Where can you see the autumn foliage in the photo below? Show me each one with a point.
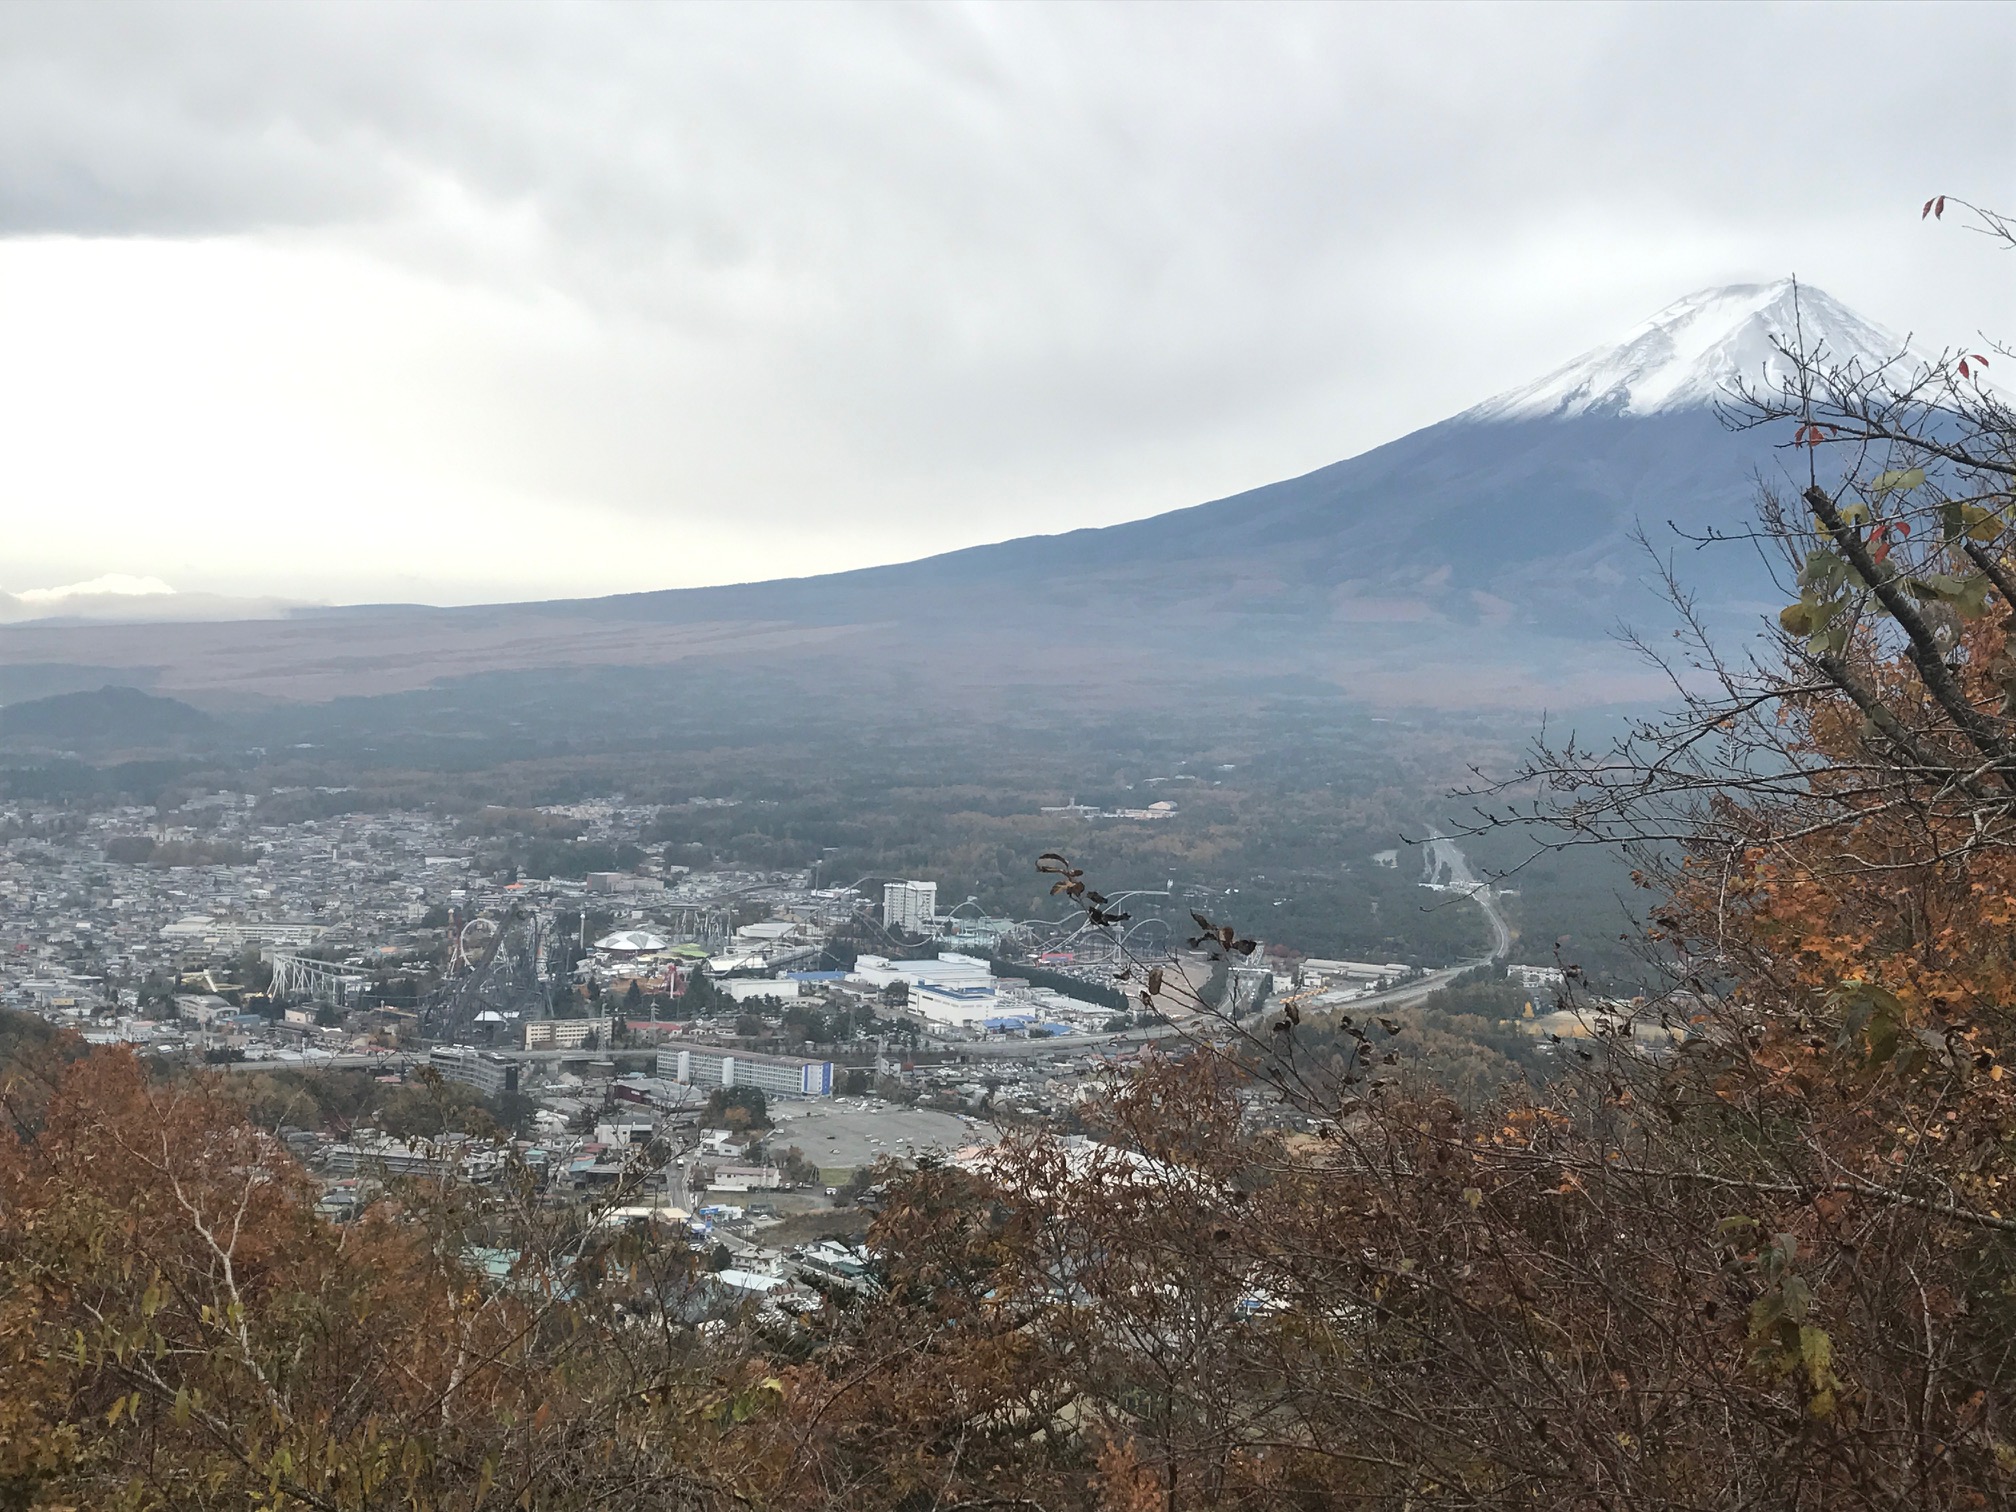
(179, 1327)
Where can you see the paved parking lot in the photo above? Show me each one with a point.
(840, 1134)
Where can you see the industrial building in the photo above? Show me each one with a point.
(910, 906)
(951, 988)
(1314, 970)
(947, 969)
(621, 882)
(773, 1075)
(954, 1004)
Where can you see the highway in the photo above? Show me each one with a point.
(1444, 854)
(402, 1060)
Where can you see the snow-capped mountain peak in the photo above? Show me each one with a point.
(1689, 354)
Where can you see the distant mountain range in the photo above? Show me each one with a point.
(1484, 559)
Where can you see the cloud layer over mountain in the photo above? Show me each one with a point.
(465, 302)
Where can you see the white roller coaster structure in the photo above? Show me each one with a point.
(297, 976)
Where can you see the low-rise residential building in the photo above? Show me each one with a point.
(746, 1178)
(564, 1034)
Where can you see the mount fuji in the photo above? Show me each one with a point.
(1521, 516)
(1486, 558)
(1521, 510)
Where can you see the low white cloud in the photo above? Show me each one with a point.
(111, 585)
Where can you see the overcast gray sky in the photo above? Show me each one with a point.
(454, 302)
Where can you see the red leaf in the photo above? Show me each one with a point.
(1963, 367)
(1926, 211)
(1901, 528)
(1979, 360)
(1939, 208)
(1879, 553)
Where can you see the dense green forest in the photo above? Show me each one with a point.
(1281, 804)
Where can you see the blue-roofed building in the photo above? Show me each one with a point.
(1004, 1025)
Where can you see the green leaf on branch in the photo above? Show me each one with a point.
(1967, 594)
(1901, 480)
(1873, 1020)
(1937, 586)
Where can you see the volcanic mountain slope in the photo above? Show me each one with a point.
(1483, 558)
(1521, 510)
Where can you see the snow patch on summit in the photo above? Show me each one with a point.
(1690, 353)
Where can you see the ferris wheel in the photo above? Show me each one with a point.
(473, 941)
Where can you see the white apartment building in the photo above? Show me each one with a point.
(235, 933)
(565, 1034)
(783, 1075)
(910, 906)
(492, 1075)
